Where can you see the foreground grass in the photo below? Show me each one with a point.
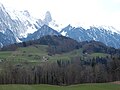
(107, 86)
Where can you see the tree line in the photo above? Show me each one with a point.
(62, 72)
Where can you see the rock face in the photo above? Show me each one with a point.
(106, 36)
(7, 38)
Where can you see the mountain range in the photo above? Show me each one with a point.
(19, 26)
(107, 36)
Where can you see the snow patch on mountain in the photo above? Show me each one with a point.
(64, 33)
(1, 45)
(25, 18)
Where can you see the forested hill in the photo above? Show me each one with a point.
(61, 44)
(99, 47)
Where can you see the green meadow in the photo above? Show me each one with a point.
(100, 86)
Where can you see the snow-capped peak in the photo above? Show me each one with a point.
(110, 28)
(48, 17)
(26, 19)
(48, 20)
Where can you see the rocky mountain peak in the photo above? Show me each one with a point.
(48, 18)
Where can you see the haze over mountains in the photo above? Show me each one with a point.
(18, 26)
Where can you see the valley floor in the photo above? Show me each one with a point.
(100, 86)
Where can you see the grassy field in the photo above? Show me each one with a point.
(35, 54)
(99, 54)
(30, 54)
(107, 86)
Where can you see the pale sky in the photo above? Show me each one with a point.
(75, 12)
